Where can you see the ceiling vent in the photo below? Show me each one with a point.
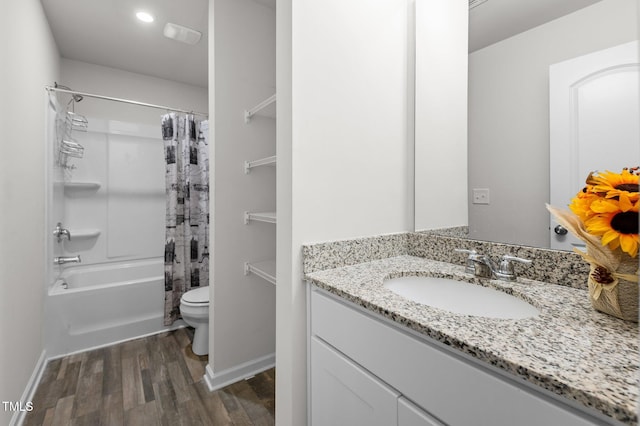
(475, 3)
(180, 33)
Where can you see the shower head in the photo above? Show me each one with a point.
(74, 96)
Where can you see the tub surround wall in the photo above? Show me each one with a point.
(122, 218)
(588, 358)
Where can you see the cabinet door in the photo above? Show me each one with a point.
(344, 394)
(411, 415)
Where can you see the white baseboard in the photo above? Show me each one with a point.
(218, 380)
(30, 389)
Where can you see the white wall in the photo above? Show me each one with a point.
(509, 117)
(29, 61)
(343, 149)
(441, 114)
(243, 68)
(96, 79)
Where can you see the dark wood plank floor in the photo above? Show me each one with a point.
(155, 380)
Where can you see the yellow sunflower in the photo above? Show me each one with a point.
(615, 185)
(616, 221)
(581, 204)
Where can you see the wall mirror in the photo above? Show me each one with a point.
(512, 44)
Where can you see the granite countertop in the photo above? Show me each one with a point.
(569, 349)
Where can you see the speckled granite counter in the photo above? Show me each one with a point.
(569, 349)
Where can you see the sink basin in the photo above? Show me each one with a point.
(461, 297)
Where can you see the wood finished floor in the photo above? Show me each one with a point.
(155, 380)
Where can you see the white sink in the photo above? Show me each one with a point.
(461, 297)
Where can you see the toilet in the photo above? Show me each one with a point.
(194, 307)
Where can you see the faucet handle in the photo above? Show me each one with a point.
(470, 268)
(505, 269)
(465, 251)
(509, 258)
(60, 231)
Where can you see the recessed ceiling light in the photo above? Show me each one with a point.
(144, 16)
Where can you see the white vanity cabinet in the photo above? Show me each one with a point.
(346, 394)
(411, 415)
(366, 370)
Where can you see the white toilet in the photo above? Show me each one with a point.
(194, 307)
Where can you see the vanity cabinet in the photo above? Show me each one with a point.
(411, 415)
(346, 394)
(367, 370)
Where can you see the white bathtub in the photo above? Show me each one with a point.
(105, 304)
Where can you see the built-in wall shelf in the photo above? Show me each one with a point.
(269, 217)
(265, 269)
(81, 186)
(265, 108)
(268, 161)
(83, 234)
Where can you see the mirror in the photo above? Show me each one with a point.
(507, 154)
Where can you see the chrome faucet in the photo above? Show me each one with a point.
(59, 232)
(506, 270)
(486, 268)
(470, 267)
(62, 260)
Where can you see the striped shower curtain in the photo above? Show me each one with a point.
(186, 252)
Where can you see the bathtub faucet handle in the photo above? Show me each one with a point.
(62, 260)
(60, 231)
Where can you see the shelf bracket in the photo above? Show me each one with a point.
(248, 165)
(248, 114)
(260, 271)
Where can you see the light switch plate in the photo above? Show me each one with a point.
(481, 196)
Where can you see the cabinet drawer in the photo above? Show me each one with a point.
(410, 415)
(345, 394)
(452, 389)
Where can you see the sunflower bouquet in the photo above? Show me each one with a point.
(604, 214)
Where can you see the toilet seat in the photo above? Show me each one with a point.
(196, 297)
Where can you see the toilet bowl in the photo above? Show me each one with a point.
(194, 307)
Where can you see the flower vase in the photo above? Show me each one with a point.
(615, 292)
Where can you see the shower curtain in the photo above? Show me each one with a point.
(186, 252)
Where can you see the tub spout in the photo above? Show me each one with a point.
(62, 260)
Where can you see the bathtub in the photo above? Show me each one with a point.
(97, 305)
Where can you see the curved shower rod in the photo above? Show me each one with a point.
(126, 101)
